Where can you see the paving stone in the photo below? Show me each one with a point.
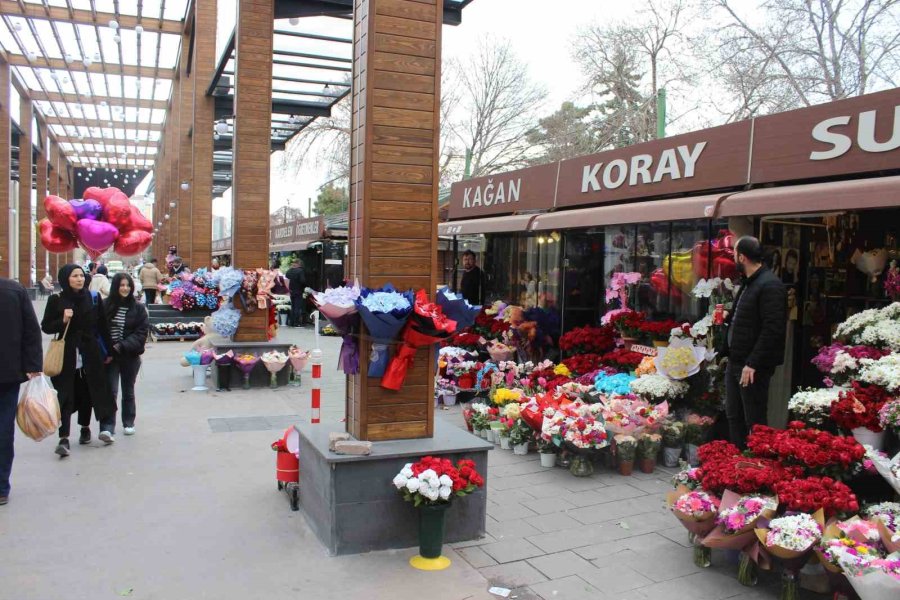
(522, 468)
(506, 551)
(218, 425)
(677, 534)
(249, 424)
(640, 543)
(543, 506)
(707, 585)
(507, 496)
(523, 481)
(567, 588)
(601, 495)
(486, 539)
(547, 490)
(612, 580)
(652, 486)
(512, 575)
(557, 541)
(510, 529)
(554, 522)
(476, 557)
(560, 564)
(617, 509)
(581, 484)
(510, 511)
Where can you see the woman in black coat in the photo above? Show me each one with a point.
(128, 327)
(82, 384)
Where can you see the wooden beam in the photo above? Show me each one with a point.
(58, 64)
(111, 100)
(65, 139)
(130, 125)
(26, 228)
(84, 17)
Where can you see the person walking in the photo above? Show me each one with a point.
(100, 282)
(150, 275)
(82, 384)
(21, 358)
(755, 340)
(297, 278)
(472, 284)
(129, 325)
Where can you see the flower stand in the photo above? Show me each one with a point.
(199, 378)
(431, 539)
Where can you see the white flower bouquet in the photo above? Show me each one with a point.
(656, 387)
(813, 406)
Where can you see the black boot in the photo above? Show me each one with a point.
(85, 437)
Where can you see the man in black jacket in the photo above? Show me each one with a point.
(756, 332)
(296, 276)
(21, 358)
(472, 284)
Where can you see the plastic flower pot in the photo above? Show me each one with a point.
(449, 398)
(504, 442)
(199, 378)
(520, 449)
(581, 466)
(548, 459)
(431, 529)
(647, 465)
(864, 435)
(671, 456)
(693, 458)
(626, 467)
(246, 384)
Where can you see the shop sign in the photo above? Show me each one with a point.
(301, 230)
(221, 244)
(516, 191)
(856, 135)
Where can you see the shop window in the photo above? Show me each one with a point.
(693, 258)
(582, 285)
(497, 263)
(618, 255)
(538, 277)
(651, 246)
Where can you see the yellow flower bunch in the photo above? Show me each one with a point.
(503, 396)
(562, 369)
(679, 361)
(647, 367)
(513, 410)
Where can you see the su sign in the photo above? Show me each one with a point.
(865, 135)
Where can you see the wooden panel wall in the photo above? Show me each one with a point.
(204, 66)
(393, 196)
(252, 144)
(25, 185)
(5, 165)
(185, 160)
(57, 260)
(41, 255)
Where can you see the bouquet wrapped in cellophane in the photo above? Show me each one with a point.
(338, 305)
(384, 311)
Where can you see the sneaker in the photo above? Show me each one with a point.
(85, 437)
(62, 448)
(129, 431)
(4, 500)
(106, 437)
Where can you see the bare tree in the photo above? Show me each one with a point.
(497, 106)
(808, 51)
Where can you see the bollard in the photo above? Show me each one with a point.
(316, 361)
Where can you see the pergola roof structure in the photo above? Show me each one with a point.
(100, 73)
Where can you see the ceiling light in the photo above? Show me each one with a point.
(96, 57)
(171, 205)
(117, 38)
(53, 75)
(31, 56)
(166, 216)
(114, 169)
(292, 120)
(65, 79)
(109, 124)
(17, 26)
(68, 58)
(185, 186)
(216, 136)
(103, 103)
(294, 21)
(106, 181)
(87, 62)
(139, 29)
(113, 24)
(221, 127)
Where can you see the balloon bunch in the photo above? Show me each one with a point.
(104, 219)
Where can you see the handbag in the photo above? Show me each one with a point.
(53, 360)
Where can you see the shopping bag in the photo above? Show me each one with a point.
(56, 352)
(38, 411)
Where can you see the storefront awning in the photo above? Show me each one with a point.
(292, 247)
(488, 225)
(878, 192)
(697, 207)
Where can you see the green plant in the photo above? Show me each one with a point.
(546, 446)
(673, 434)
(520, 433)
(626, 447)
(648, 445)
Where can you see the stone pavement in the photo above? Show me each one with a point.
(188, 509)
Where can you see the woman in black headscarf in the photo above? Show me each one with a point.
(82, 384)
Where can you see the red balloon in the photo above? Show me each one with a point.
(133, 242)
(61, 213)
(139, 221)
(56, 239)
(102, 195)
(118, 212)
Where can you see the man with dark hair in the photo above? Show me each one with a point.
(756, 332)
(296, 276)
(472, 284)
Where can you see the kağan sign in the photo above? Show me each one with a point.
(852, 136)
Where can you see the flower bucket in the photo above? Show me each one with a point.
(628, 342)
(693, 458)
(548, 459)
(581, 466)
(431, 530)
(626, 467)
(865, 435)
(199, 378)
(520, 449)
(449, 399)
(504, 442)
(647, 465)
(671, 456)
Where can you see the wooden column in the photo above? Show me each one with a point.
(42, 256)
(57, 260)
(393, 192)
(26, 219)
(204, 65)
(185, 168)
(6, 268)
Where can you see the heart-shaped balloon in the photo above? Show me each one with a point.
(61, 213)
(133, 242)
(118, 212)
(102, 195)
(96, 235)
(87, 209)
(139, 221)
(56, 239)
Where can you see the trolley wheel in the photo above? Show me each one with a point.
(295, 498)
(280, 485)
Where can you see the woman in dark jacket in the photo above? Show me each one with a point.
(128, 327)
(82, 383)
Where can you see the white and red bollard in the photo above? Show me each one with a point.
(316, 361)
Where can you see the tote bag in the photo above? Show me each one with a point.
(53, 360)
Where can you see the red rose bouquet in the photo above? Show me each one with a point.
(658, 330)
(859, 407)
(588, 340)
(813, 493)
(581, 364)
(435, 480)
(817, 452)
(621, 359)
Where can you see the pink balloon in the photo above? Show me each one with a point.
(96, 235)
(133, 242)
(60, 212)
